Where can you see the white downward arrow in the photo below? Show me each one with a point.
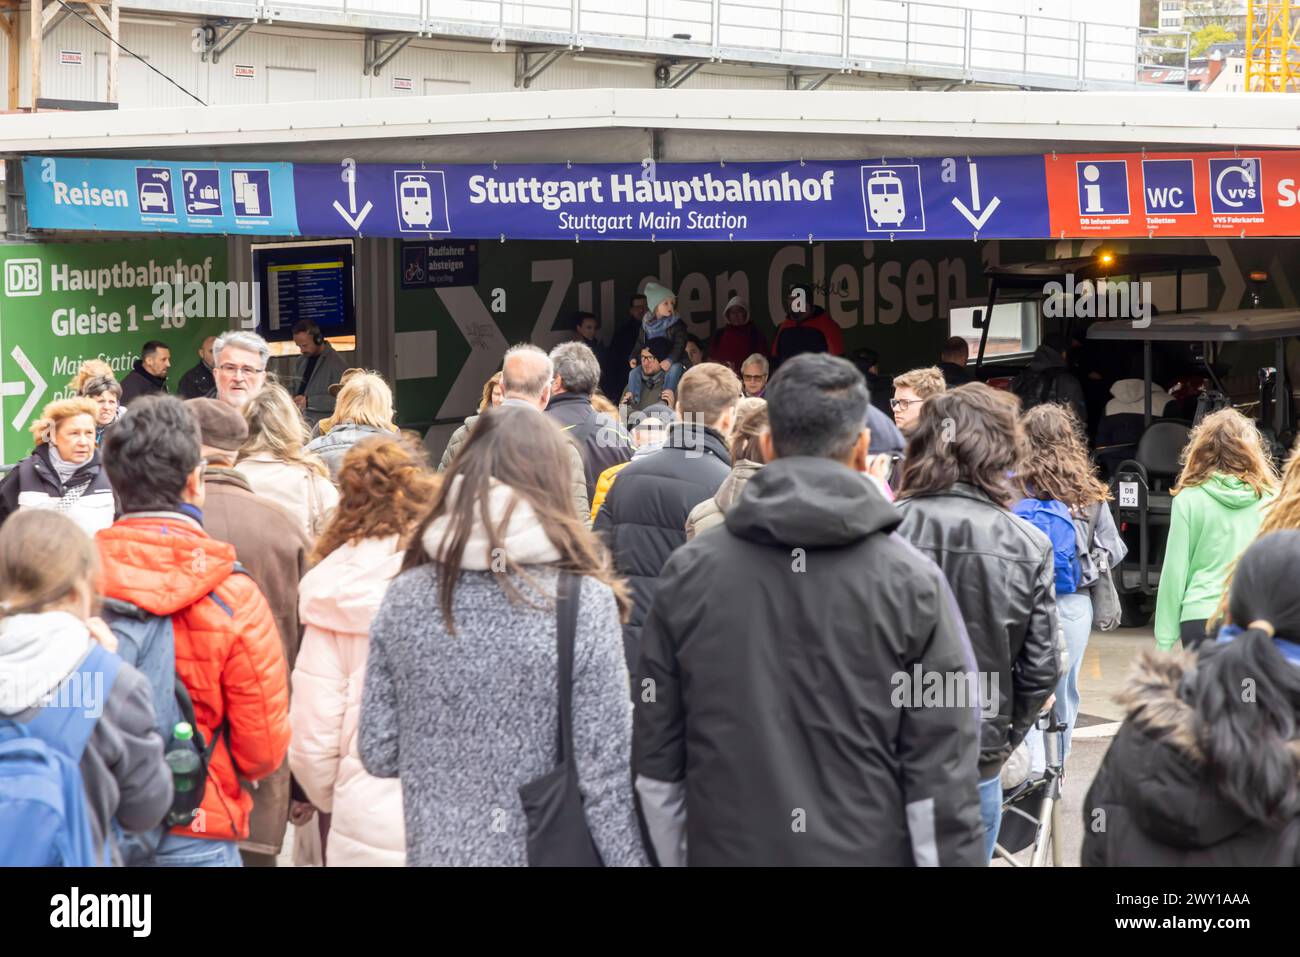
(356, 219)
(38, 388)
(360, 217)
(976, 221)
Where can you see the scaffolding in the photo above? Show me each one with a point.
(1272, 46)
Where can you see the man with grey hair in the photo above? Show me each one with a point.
(240, 369)
(526, 374)
(598, 435)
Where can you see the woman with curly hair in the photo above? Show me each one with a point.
(386, 487)
(1227, 480)
(1059, 478)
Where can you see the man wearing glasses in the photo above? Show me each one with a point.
(240, 371)
(911, 389)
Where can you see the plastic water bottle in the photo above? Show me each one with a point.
(183, 758)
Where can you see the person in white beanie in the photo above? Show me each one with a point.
(738, 339)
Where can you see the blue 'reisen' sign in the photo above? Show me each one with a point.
(929, 198)
(151, 196)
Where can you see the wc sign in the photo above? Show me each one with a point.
(22, 277)
(1169, 187)
(1235, 186)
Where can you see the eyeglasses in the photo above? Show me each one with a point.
(755, 378)
(904, 404)
(246, 372)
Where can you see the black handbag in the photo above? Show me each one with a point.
(557, 825)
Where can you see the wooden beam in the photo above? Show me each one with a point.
(11, 30)
(34, 54)
(102, 17)
(114, 27)
(49, 14)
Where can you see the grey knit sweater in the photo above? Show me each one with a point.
(463, 721)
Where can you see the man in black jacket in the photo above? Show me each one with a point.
(198, 383)
(599, 437)
(644, 515)
(954, 494)
(779, 716)
(149, 376)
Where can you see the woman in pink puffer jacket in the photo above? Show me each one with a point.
(384, 486)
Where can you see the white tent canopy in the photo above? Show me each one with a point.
(608, 125)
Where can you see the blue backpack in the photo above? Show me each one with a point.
(44, 815)
(1054, 520)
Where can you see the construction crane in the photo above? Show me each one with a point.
(1273, 46)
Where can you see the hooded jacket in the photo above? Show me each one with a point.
(1002, 572)
(1049, 379)
(339, 598)
(198, 383)
(34, 483)
(780, 732)
(1159, 798)
(1127, 398)
(732, 345)
(644, 515)
(464, 719)
(1209, 526)
(122, 768)
(334, 444)
(228, 652)
(140, 382)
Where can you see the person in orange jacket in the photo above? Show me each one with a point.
(807, 328)
(228, 652)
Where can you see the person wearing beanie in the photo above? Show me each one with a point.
(271, 544)
(661, 320)
(738, 339)
(646, 385)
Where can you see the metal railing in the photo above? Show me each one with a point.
(847, 35)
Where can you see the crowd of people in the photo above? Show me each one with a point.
(692, 630)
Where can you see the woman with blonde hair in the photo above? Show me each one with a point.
(1227, 480)
(493, 396)
(746, 459)
(385, 490)
(90, 369)
(364, 409)
(65, 472)
(277, 464)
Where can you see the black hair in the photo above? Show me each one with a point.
(816, 405)
(580, 317)
(150, 452)
(307, 326)
(634, 297)
(152, 346)
(1247, 695)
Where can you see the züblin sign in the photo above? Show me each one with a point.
(981, 197)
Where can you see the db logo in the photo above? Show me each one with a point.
(23, 277)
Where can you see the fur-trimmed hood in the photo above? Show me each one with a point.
(1162, 778)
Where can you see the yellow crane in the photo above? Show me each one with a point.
(1273, 46)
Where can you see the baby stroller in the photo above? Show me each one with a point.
(1031, 809)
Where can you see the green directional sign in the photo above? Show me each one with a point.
(62, 303)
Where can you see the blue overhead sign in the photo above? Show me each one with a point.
(150, 196)
(929, 198)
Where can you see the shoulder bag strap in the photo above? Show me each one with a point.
(566, 626)
(1092, 525)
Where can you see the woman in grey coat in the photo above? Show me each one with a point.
(460, 687)
(364, 409)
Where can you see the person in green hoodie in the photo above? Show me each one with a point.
(1227, 478)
